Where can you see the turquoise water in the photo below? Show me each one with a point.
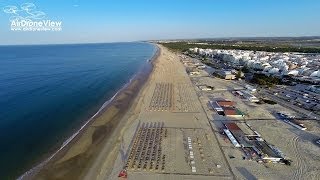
(47, 92)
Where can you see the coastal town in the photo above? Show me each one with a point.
(297, 75)
(300, 66)
(218, 126)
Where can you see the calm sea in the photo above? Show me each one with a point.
(48, 91)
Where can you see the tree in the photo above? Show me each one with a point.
(239, 74)
(245, 69)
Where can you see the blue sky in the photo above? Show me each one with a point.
(131, 20)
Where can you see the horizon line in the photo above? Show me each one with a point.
(171, 39)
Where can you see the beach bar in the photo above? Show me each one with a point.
(232, 139)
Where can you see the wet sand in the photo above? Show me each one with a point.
(82, 153)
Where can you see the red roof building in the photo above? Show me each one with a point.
(226, 103)
(230, 112)
(232, 126)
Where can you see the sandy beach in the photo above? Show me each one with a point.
(168, 101)
(96, 152)
(169, 98)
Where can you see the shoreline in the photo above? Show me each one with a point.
(135, 84)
